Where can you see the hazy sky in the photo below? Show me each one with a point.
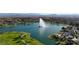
(39, 6)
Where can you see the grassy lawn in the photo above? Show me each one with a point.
(17, 38)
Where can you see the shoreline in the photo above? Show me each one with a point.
(68, 35)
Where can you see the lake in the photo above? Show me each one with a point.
(37, 32)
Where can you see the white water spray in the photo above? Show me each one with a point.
(41, 23)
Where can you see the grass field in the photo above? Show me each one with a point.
(17, 38)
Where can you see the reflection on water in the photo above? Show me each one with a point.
(42, 30)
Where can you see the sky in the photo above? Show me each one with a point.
(40, 6)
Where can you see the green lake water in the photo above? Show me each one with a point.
(37, 32)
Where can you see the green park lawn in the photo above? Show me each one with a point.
(17, 38)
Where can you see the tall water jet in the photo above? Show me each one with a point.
(41, 23)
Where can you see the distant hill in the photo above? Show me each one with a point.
(19, 14)
(37, 14)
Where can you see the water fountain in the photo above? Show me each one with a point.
(42, 26)
(41, 23)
